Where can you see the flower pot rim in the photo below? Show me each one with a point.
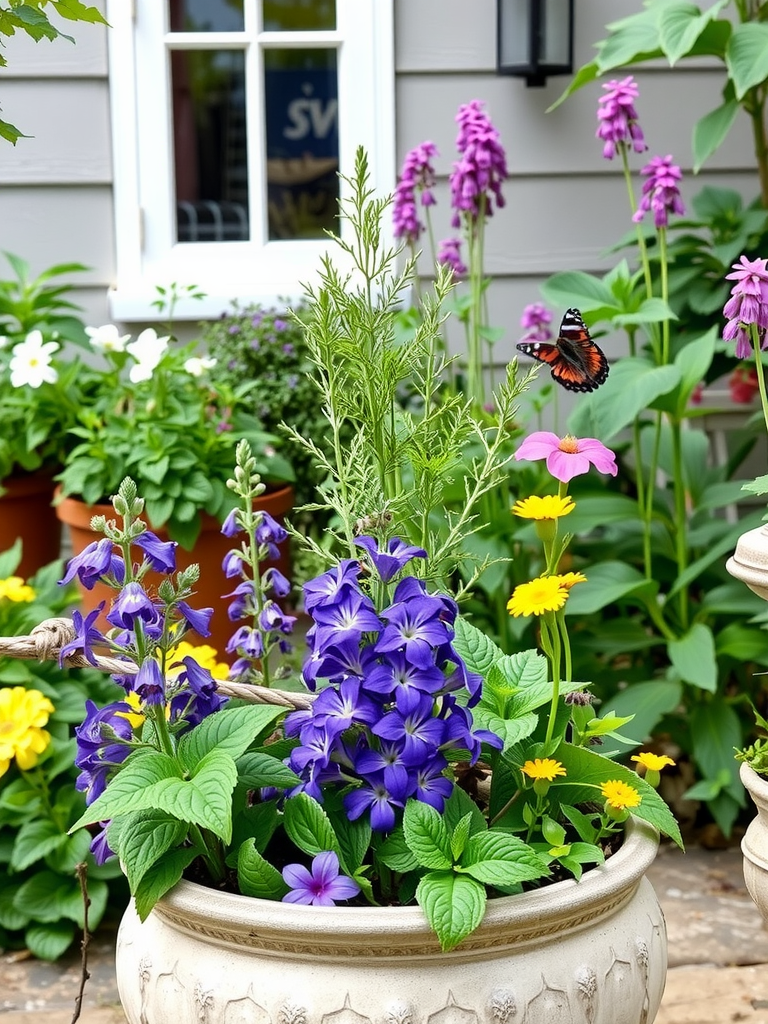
(403, 931)
(753, 781)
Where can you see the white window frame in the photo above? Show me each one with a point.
(147, 254)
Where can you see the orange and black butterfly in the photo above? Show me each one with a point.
(575, 360)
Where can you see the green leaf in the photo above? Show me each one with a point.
(308, 826)
(693, 657)
(427, 835)
(132, 788)
(12, 917)
(205, 799)
(650, 311)
(694, 360)
(460, 836)
(710, 132)
(144, 837)
(453, 904)
(44, 896)
(476, 649)
(607, 583)
(746, 56)
(256, 769)
(632, 386)
(395, 852)
(49, 941)
(500, 859)
(230, 730)
(35, 839)
(575, 288)
(681, 24)
(648, 702)
(354, 839)
(161, 877)
(716, 732)
(256, 876)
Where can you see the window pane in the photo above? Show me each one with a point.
(206, 15)
(301, 89)
(209, 140)
(299, 15)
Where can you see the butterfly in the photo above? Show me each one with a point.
(575, 360)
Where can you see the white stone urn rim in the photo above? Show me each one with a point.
(754, 783)
(397, 932)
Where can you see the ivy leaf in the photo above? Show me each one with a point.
(256, 876)
(427, 835)
(453, 905)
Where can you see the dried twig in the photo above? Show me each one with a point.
(82, 876)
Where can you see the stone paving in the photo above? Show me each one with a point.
(718, 955)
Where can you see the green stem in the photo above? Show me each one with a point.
(759, 369)
(681, 516)
(642, 248)
(549, 629)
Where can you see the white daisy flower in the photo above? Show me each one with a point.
(106, 338)
(147, 350)
(198, 364)
(31, 361)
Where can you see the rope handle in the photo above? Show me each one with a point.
(46, 640)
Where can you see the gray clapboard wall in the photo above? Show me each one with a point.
(565, 204)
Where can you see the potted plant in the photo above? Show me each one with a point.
(39, 400)
(491, 859)
(151, 411)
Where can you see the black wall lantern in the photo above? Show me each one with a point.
(535, 38)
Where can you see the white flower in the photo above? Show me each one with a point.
(106, 338)
(147, 350)
(31, 361)
(197, 365)
(3, 340)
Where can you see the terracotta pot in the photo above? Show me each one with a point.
(209, 550)
(588, 952)
(26, 512)
(754, 845)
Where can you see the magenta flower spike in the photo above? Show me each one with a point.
(747, 305)
(449, 254)
(535, 322)
(477, 176)
(416, 179)
(661, 193)
(618, 124)
(569, 456)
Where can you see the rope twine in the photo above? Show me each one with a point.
(46, 640)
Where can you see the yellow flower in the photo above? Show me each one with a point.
(544, 594)
(23, 713)
(570, 579)
(543, 768)
(15, 589)
(652, 762)
(550, 506)
(619, 795)
(204, 655)
(135, 717)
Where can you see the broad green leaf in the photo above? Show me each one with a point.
(650, 311)
(694, 360)
(459, 804)
(746, 56)
(256, 876)
(607, 583)
(681, 24)
(693, 657)
(205, 799)
(500, 858)
(145, 836)
(632, 386)
(511, 730)
(230, 730)
(71, 902)
(256, 769)
(395, 852)
(307, 825)
(49, 941)
(12, 917)
(716, 732)
(427, 835)
(743, 643)
(161, 877)
(35, 839)
(575, 288)
(132, 788)
(648, 702)
(725, 545)
(476, 649)
(710, 132)
(354, 839)
(460, 836)
(45, 895)
(73, 852)
(453, 905)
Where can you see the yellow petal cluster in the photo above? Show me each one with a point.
(544, 594)
(543, 768)
(23, 713)
(570, 579)
(619, 795)
(653, 762)
(548, 506)
(204, 655)
(15, 589)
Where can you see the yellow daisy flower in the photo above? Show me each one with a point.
(570, 579)
(652, 762)
(544, 594)
(15, 589)
(549, 506)
(23, 713)
(619, 795)
(543, 768)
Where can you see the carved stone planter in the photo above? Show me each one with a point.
(749, 563)
(588, 952)
(754, 845)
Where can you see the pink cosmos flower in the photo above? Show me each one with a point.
(569, 456)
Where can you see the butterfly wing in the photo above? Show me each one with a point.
(576, 362)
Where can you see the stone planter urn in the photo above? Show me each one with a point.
(587, 952)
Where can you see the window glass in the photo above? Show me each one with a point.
(206, 15)
(299, 15)
(209, 138)
(302, 139)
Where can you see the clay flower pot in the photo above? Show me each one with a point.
(209, 550)
(26, 511)
(592, 952)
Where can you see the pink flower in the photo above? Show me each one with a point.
(449, 253)
(477, 176)
(569, 456)
(743, 384)
(748, 304)
(535, 322)
(417, 178)
(660, 191)
(618, 125)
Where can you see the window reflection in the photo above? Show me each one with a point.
(299, 15)
(206, 15)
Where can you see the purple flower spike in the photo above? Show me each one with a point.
(149, 683)
(161, 554)
(660, 191)
(449, 255)
(93, 562)
(535, 322)
(388, 563)
(417, 177)
(86, 635)
(132, 603)
(230, 527)
(748, 304)
(477, 176)
(322, 886)
(618, 124)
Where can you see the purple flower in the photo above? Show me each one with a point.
(274, 579)
(198, 619)
(326, 588)
(412, 724)
(149, 683)
(396, 672)
(100, 848)
(388, 563)
(535, 322)
(201, 697)
(449, 254)
(231, 527)
(321, 886)
(280, 325)
(338, 709)
(417, 176)
(414, 625)
(272, 619)
(430, 785)
(232, 564)
(243, 601)
(618, 125)
(269, 531)
(103, 741)
(748, 304)
(133, 603)
(477, 176)
(347, 619)
(247, 640)
(86, 635)
(660, 191)
(382, 795)
(161, 554)
(93, 562)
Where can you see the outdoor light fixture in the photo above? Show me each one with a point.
(535, 38)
